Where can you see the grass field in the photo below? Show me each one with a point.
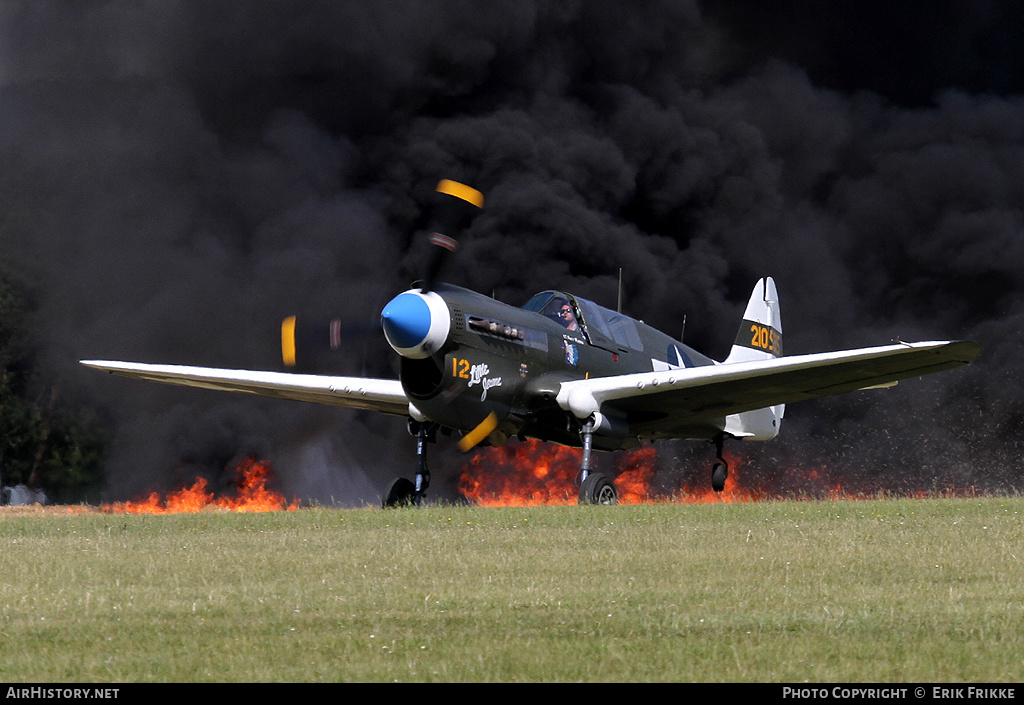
(848, 591)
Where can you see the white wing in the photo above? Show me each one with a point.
(385, 395)
(662, 403)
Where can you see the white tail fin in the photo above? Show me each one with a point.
(760, 334)
(759, 338)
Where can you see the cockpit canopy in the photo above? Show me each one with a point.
(601, 326)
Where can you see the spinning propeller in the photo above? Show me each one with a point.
(459, 203)
(407, 320)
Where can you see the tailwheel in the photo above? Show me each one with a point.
(401, 493)
(719, 471)
(598, 489)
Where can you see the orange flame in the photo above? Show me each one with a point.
(521, 475)
(252, 495)
(533, 473)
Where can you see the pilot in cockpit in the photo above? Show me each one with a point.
(567, 318)
(559, 309)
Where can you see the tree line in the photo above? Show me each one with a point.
(48, 440)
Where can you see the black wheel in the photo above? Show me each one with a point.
(598, 489)
(401, 493)
(719, 471)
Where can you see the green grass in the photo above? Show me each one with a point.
(855, 591)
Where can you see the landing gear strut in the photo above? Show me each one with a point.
(720, 469)
(404, 492)
(595, 488)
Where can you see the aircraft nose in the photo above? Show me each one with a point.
(406, 320)
(415, 324)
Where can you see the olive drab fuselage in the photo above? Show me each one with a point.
(510, 361)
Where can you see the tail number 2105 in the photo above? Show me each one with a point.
(764, 338)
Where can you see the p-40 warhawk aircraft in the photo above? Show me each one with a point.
(564, 369)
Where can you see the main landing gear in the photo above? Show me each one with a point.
(720, 468)
(595, 488)
(404, 492)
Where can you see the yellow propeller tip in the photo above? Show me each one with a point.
(479, 433)
(466, 193)
(288, 341)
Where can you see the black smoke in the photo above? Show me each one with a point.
(179, 177)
